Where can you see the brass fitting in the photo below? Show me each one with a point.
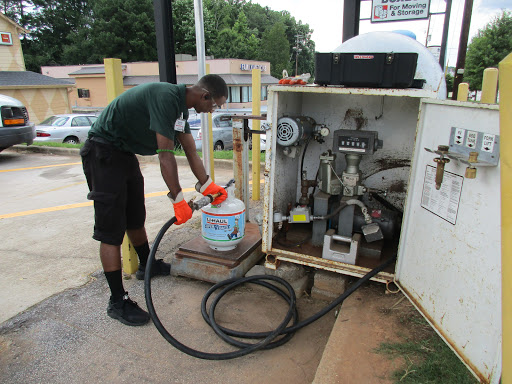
(471, 170)
(441, 161)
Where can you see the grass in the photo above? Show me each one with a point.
(227, 155)
(427, 359)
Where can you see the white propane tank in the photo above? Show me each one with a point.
(223, 225)
(428, 67)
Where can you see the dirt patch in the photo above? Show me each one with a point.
(367, 319)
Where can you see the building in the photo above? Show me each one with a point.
(90, 89)
(42, 95)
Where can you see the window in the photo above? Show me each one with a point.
(223, 121)
(92, 119)
(246, 94)
(263, 92)
(83, 93)
(235, 94)
(80, 121)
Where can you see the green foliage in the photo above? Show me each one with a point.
(488, 48)
(51, 24)
(85, 32)
(427, 361)
(449, 82)
(236, 42)
(275, 48)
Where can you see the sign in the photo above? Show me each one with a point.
(399, 10)
(5, 38)
(250, 67)
(445, 201)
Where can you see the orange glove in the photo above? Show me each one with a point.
(209, 188)
(182, 210)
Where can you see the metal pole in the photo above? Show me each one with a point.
(201, 71)
(351, 11)
(463, 44)
(444, 39)
(165, 41)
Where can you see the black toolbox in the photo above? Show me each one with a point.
(379, 70)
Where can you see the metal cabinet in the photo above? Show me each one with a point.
(447, 236)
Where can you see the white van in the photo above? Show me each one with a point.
(15, 127)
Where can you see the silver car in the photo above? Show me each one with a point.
(70, 128)
(222, 129)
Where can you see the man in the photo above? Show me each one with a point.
(145, 120)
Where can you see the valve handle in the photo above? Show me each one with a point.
(205, 200)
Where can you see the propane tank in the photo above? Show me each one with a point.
(223, 225)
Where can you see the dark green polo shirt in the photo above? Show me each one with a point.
(131, 120)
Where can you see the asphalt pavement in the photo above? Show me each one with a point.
(54, 326)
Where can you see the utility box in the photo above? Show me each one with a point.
(353, 177)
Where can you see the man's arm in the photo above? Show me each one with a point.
(195, 162)
(168, 166)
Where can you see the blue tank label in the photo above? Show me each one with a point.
(225, 227)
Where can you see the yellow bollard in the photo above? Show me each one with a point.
(256, 110)
(505, 68)
(210, 137)
(489, 86)
(114, 82)
(113, 78)
(462, 94)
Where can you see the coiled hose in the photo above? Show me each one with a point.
(227, 334)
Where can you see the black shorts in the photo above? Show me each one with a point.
(117, 188)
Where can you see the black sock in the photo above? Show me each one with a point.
(142, 253)
(115, 282)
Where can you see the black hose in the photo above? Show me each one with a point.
(229, 284)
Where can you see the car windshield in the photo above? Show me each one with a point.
(55, 121)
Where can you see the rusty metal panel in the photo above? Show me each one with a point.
(449, 261)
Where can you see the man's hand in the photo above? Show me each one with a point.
(182, 210)
(209, 188)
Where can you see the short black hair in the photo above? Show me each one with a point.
(215, 85)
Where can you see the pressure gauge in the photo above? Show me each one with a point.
(324, 131)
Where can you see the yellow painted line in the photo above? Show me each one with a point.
(42, 166)
(79, 205)
(44, 210)
(66, 186)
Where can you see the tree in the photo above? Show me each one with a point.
(276, 49)
(51, 24)
(236, 42)
(488, 48)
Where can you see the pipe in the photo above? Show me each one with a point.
(229, 284)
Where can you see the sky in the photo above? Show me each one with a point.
(325, 18)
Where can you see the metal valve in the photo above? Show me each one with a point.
(442, 151)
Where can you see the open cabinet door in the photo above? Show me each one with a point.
(449, 259)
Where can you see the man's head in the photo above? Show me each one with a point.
(212, 93)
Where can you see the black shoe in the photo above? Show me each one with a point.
(159, 268)
(127, 311)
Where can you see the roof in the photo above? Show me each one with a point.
(192, 79)
(92, 70)
(16, 25)
(27, 78)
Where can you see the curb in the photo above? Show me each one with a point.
(181, 160)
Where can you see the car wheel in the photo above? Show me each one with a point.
(71, 140)
(218, 146)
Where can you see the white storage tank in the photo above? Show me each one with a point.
(223, 225)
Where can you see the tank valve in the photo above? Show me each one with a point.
(471, 170)
(442, 151)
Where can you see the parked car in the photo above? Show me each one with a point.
(15, 127)
(222, 130)
(70, 128)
